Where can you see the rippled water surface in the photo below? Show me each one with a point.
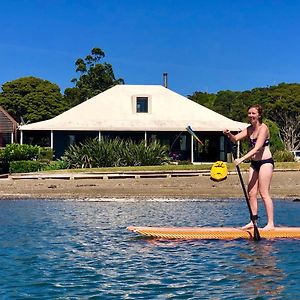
(82, 250)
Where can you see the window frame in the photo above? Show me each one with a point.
(142, 104)
(136, 98)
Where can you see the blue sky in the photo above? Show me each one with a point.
(207, 45)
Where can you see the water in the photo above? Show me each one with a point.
(82, 250)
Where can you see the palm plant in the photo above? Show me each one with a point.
(114, 153)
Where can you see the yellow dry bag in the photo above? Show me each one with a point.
(218, 171)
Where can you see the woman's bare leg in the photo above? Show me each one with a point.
(265, 177)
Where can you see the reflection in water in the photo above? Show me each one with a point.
(261, 275)
(242, 269)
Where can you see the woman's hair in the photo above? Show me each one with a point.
(259, 110)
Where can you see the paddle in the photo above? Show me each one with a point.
(190, 130)
(218, 170)
(253, 218)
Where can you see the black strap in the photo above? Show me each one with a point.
(253, 217)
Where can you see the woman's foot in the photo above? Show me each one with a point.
(248, 226)
(269, 227)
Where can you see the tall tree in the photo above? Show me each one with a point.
(32, 99)
(226, 103)
(94, 78)
(281, 105)
(203, 98)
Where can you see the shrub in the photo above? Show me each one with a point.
(113, 153)
(55, 165)
(184, 162)
(283, 156)
(1, 154)
(15, 152)
(24, 166)
(45, 154)
(276, 143)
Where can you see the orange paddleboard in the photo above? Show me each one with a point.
(219, 233)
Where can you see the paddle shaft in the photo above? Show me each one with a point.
(255, 229)
(244, 190)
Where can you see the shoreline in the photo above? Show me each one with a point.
(285, 185)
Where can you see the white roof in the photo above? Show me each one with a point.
(115, 110)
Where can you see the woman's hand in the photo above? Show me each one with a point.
(238, 161)
(226, 132)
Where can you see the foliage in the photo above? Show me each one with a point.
(15, 152)
(184, 162)
(31, 99)
(32, 158)
(55, 165)
(276, 143)
(281, 105)
(112, 153)
(2, 154)
(283, 156)
(227, 103)
(95, 77)
(45, 154)
(204, 99)
(4, 165)
(24, 166)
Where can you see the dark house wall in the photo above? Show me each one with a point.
(8, 126)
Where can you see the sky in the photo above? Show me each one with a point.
(203, 45)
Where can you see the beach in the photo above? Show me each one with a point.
(285, 184)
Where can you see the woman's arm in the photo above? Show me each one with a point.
(234, 138)
(262, 136)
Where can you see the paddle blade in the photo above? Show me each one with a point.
(256, 235)
(218, 171)
(190, 130)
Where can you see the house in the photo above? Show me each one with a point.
(139, 112)
(8, 128)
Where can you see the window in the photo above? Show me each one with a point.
(141, 104)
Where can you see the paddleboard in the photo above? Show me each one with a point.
(222, 233)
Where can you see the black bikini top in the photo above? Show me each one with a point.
(252, 142)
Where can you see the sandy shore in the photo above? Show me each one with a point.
(285, 184)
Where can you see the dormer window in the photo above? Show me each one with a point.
(141, 104)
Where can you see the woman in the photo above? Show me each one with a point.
(262, 163)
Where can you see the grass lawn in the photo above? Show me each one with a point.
(204, 166)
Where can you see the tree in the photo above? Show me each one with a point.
(290, 130)
(281, 105)
(32, 99)
(204, 99)
(276, 143)
(230, 104)
(95, 77)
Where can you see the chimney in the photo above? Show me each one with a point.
(165, 80)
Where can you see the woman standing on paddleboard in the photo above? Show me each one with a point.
(262, 163)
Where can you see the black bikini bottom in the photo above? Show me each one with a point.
(256, 164)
